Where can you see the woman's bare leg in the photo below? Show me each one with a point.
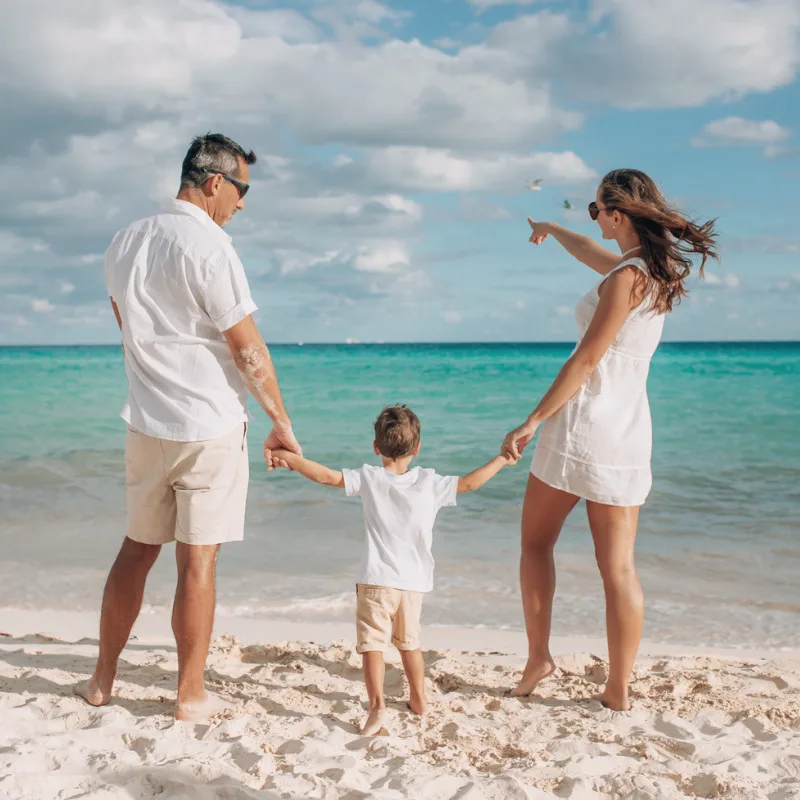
(614, 533)
(543, 515)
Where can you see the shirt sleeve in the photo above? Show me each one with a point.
(352, 482)
(226, 294)
(445, 489)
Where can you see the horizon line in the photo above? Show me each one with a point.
(378, 343)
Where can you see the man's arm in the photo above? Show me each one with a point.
(116, 313)
(482, 475)
(119, 322)
(258, 372)
(308, 468)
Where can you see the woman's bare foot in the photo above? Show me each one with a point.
(203, 709)
(376, 721)
(613, 701)
(93, 693)
(534, 673)
(419, 705)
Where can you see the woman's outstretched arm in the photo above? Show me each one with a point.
(586, 250)
(616, 301)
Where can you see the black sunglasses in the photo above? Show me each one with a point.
(241, 186)
(594, 210)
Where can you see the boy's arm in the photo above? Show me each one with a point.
(476, 478)
(308, 468)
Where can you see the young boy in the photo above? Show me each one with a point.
(400, 506)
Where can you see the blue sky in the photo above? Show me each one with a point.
(395, 141)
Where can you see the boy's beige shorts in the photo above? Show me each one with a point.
(192, 492)
(384, 615)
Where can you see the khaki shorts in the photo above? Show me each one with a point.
(192, 492)
(384, 614)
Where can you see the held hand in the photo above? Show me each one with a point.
(279, 460)
(538, 231)
(280, 438)
(508, 459)
(518, 439)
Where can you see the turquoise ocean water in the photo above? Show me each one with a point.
(718, 546)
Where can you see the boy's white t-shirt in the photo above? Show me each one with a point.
(399, 512)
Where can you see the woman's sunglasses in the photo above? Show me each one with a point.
(241, 186)
(594, 210)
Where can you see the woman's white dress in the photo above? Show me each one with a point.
(598, 445)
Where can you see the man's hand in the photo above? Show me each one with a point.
(280, 438)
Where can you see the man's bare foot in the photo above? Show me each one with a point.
(534, 673)
(93, 693)
(613, 702)
(203, 709)
(375, 722)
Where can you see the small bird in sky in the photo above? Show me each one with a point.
(535, 186)
(568, 206)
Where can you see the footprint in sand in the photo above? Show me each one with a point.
(673, 726)
(759, 728)
(291, 747)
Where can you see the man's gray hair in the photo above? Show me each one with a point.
(213, 152)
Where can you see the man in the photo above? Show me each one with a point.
(192, 350)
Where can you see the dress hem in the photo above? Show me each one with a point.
(563, 484)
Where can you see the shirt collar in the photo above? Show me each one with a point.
(176, 206)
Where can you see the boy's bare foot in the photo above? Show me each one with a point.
(93, 693)
(203, 709)
(376, 721)
(534, 673)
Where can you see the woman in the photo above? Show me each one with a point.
(595, 437)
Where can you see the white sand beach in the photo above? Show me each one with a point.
(713, 724)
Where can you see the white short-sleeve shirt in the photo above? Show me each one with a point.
(178, 284)
(399, 513)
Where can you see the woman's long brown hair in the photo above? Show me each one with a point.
(668, 238)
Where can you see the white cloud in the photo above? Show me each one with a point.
(282, 23)
(736, 131)
(425, 169)
(107, 59)
(384, 257)
(482, 5)
(451, 317)
(776, 151)
(13, 245)
(563, 311)
(448, 43)
(42, 306)
(299, 261)
(65, 287)
(108, 55)
(728, 280)
(474, 208)
(634, 54)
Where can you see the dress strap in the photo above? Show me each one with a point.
(640, 264)
(634, 261)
